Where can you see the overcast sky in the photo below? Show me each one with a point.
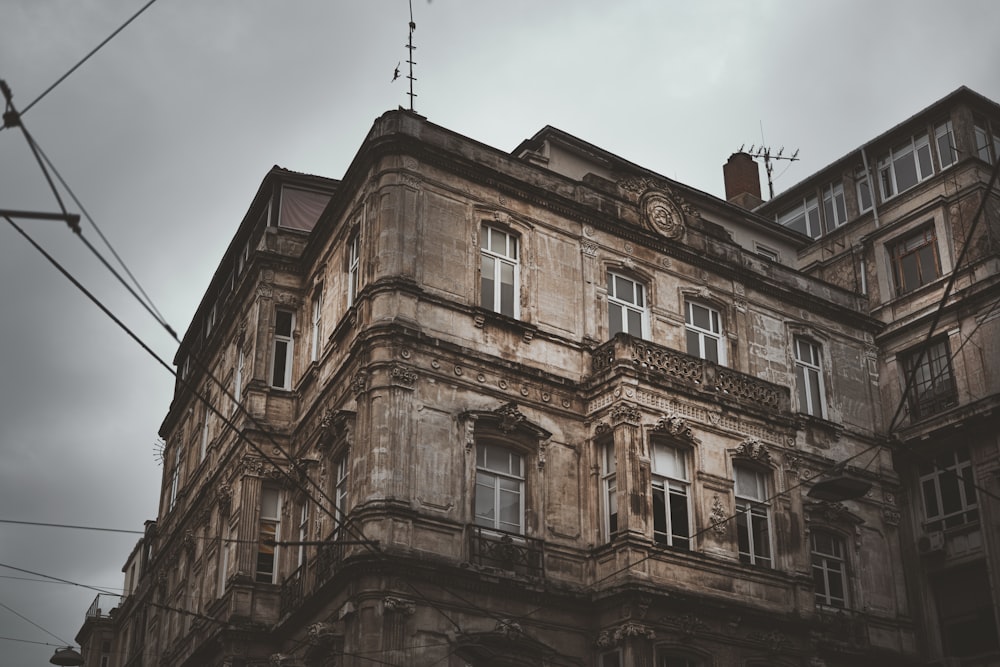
(165, 134)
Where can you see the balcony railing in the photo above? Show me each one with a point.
(503, 551)
(699, 374)
(291, 590)
(102, 605)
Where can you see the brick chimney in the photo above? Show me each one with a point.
(742, 177)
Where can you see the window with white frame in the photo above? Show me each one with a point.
(671, 504)
(317, 323)
(704, 333)
(609, 483)
(340, 492)
(205, 435)
(915, 260)
(829, 568)
(932, 388)
(809, 377)
(766, 252)
(499, 502)
(303, 535)
(268, 530)
(499, 271)
(238, 374)
(753, 515)
(948, 490)
(803, 218)
(905, 165)
(353, 268)
(281, 357)
(175, 475)
(987, 139)
(944, 140)
(834, 206)
(864, 189)
(627, 310)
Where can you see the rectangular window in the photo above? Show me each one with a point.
(611, 659)
(932, 388)
(704, 333)
(228, 533)
(499, 488)
(766, 252)
(205, 437)
(915, 260)
(864, 189)
(829, 572)
(809, 378)
(753, 516)
(626, 307)
(987, 141)
(671, 508)
(609, 480)
(966, 612)
(949, 491)
(340, 491)
(905, 165)
(353, 268)
(281, 358)
(944, 140)
(303, 532)
(268, 531)
(499, 271)
(238, 374)
(175, 475)
(834, 207)
(317, 323)
(804, 218)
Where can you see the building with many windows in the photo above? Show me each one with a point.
(911, 220)
(547, 407)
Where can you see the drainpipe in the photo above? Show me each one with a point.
(871, 186)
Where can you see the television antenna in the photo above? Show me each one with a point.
(410, 62)
(769, 157)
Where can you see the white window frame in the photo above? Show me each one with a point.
(752, 512)
(943, 472)
(670, 482)
(283, 347)
(493, 481)
(809, 377)
(915, 151)
(863, 186)
(609, 489)
(834, 206)
(944, 141)
(268, 527)
(621, 305)
(238, 376)
(175, 475)
(766, 252)
(986, 138)
(303, 532)
(353, 268)
(205, 431)
(317, 323)
(804, 218)
(499, 253)
(715, 331)
(340, 491)
(828, 566)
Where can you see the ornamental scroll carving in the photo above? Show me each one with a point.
(612, 638)
(402, 376)
(509, 629)
(752, 448)
(510, 417)
(675, 426)
(718, 516)
(627, 413)
(359, 383)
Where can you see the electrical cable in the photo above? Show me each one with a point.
(25, 618)
(87, 57)
(28, 641)
(65, 525)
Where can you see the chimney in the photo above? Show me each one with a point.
(742, 177)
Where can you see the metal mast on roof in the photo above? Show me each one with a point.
(410, 61)
(766, 153)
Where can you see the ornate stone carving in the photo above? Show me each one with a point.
(612, 638)
(718, 517)
(542, 446)
(773, 640)
(189, 542)
(392, 604)
(402, 376)
(602, 428)
(252, 465)
(689, 625)
(319, 632)
(659, 212)
(224, 496)
(509, 629)
(675, 426)
(359, 383)
(752, 448)
(625, 412)
(589, 248)
(890, 516)
(470, 434)
(510, 417)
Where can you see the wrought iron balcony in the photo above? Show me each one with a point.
(102, 605)
(503, 551)
(291, 590)
(698, 374)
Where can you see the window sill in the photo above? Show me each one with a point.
(482, 317)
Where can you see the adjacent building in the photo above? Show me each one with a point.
(548, 407)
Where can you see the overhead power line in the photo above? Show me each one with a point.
(25, 618)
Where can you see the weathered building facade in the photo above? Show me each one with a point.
(912, 220)
(546, 407)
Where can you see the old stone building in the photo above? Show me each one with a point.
(911, 219)
(547, 407)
